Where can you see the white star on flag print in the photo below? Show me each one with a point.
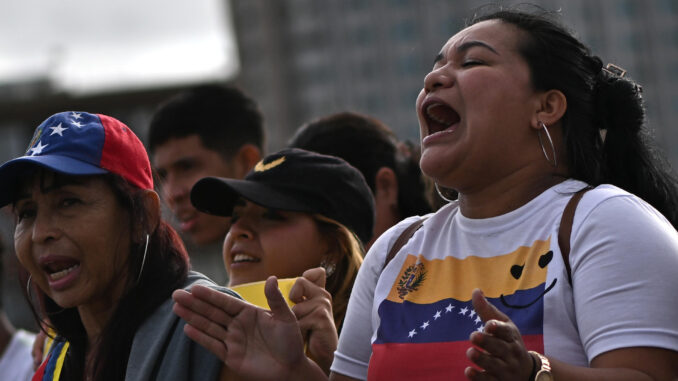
(58, 130)
(476, 322)
(37, 150)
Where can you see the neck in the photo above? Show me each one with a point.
(6, 332)
(505, 195)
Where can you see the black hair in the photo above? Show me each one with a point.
(2, 269)
(224, 118)
(165, 269)
(604, 125)
(368, 144)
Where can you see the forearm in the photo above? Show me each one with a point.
(564, 371)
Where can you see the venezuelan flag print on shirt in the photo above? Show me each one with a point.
(427, 318)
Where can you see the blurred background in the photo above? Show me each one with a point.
(299, 59)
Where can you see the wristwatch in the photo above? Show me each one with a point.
(544, 373)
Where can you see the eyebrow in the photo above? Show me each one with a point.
(466, 46)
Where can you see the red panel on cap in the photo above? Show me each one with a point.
(124, 154)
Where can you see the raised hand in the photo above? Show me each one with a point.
(499, 350)
(252, 342)
(313, 310)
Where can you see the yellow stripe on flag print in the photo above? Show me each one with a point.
(420, 279)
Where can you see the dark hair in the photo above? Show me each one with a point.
(164, 270)
(2, 269)
(368, 145)
(222, 116)
(604, 125)
(347, 252)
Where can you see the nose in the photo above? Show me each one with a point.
(242, 228)
(438, 78)
(175, 190)
(45, 228)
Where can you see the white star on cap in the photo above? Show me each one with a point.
(58, 130)
(412, 333)
(76, 115)
(423, 326)
(437, 315)
(37, 150)
(449, 308)
(76, 123)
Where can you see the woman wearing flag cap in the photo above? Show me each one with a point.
(296, 211)
(523, 122)
(101, 262)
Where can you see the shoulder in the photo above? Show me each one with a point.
(620, 224)
(383, 244)
(612, 206)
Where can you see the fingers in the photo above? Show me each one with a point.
(227, 303)
(276, 301)
(213, 327)
(316, 275)
(485, 310)
(478, 375)
(305, 288)
(217, 347)
(193, 304)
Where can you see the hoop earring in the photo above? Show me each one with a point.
(143, 260)
(441, 194)
(28, 287)
(554, 161)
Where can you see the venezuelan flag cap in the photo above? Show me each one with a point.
(79, 144)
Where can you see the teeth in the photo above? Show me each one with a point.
(244, 258)
(60, 274)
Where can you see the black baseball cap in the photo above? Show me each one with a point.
(295, 180)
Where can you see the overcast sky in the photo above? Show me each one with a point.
(100, 45)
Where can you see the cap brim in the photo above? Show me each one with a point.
(11, 170)
(217, 196)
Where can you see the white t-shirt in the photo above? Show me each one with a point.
(412, 321)
(16, 363)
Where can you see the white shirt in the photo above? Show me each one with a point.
(413, 320)
(16, 363)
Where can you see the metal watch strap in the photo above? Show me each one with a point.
(545, 366)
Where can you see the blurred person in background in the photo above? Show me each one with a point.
(210, 130)
(390, 167)
(101, 262)
(16, 362)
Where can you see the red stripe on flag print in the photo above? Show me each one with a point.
(429, 361)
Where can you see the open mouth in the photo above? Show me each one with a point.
(242, 258)
(59, 269)
(439, 117)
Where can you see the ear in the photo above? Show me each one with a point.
(247, 157)
(386, 186)
(551, 108)
(152, 207)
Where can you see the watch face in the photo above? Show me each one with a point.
(543, 375)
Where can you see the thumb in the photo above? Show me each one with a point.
(485, 310)
(281, 311)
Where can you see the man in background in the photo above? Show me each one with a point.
(210, 130)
